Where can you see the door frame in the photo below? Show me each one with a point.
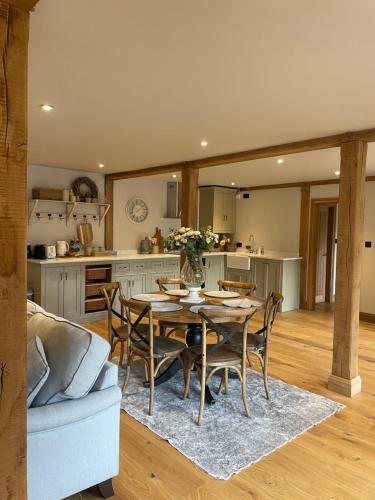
(315, 204)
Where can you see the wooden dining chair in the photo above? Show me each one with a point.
(168, 327)
(258, 342)
(208, 359)
(116, 333)
(249, 287)
(153, 350)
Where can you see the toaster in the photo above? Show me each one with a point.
(50, 251)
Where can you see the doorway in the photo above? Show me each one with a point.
(322, 252)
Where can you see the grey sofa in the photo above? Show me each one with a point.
(73, 417)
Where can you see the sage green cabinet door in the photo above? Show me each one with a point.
(237, 275)
(125, 288)
(137, 284)
(72, 292)
(258, 276)
(273, 275)
(54, 290)
(214, 272)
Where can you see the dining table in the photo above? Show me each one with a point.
(193, 321)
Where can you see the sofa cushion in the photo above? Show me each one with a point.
(33, 308)
(74, 354)
(37, 368)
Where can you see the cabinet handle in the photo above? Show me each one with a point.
(61, 276)
(132, 282)
(66, 276)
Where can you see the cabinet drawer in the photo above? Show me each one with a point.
(171, 265)
(138, 267)
(96, 273)
(122, 268)
(157, 267)
(94, 289)
(97, 304)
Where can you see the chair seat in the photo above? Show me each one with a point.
(121, 332)
(163, 346)
(225, 355)
(170, 324)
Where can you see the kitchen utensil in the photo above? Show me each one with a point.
(85, 234)
(165, 306)
(50, 251)
(222, 294)
(150, 297)
(61, 248)
(177, 292)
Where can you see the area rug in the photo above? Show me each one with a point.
(227, 441)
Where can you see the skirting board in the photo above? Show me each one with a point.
(344, 386)
(367, 317)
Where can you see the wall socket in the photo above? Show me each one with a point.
(368, 244)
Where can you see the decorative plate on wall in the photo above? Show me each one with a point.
(137, 210)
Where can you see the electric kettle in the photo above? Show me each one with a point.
(61, 248)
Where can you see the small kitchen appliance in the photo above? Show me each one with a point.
(62, 247)
(50, 251)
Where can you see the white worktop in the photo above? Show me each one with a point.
(136, 256)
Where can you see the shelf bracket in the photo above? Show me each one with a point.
(102, 216)
(69, 211)
(33, 209)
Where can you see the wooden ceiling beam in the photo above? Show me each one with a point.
(26, 5)
(322, 182)
(331, 141)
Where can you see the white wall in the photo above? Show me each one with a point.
(126, 235)
(47, 231)
(272, 216)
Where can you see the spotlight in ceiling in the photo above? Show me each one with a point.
(101, 165)
(174, 176)
(46, 107)
(232, 183)
(280, 160)
(204, 143)
(337, 172)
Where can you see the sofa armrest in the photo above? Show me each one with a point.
(44, 418)
(106, 378)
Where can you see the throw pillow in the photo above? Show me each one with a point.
(37, 369)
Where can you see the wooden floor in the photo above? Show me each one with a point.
(334, 460)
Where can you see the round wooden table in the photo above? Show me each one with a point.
(194, 333)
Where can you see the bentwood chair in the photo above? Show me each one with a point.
(118, 333)
(208, 359)
(143, 342)
(258, 342)
(167, 327)
(249, 287)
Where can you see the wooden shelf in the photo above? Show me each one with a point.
(70, 207)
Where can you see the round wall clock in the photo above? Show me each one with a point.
(137, 210)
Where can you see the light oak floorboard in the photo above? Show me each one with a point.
(334, 460)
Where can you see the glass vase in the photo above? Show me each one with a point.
(193, 275)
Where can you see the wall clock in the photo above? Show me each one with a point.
(137, 210)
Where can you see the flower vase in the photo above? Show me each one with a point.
(193, 276)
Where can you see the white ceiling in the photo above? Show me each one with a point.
(140, 83)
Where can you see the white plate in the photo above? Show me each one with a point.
(177, 292)
(150, 297)
(195, 309)
(165, 306)
(222, 294)
(242, 303)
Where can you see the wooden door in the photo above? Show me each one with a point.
(321, 262)
(54, 290)
(72, 292)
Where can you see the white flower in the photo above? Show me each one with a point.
(182, 230)
(184, 241)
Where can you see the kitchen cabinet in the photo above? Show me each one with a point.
(217, 208)
(271, 274)
(62, 291)
(214, 271)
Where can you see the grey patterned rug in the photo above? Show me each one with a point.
(227, 441)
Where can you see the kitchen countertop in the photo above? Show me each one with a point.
(283, 256)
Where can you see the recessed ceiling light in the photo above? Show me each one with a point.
(101, 165)
(232, 183)
(174, 176)
(46, 107)
(204, 143)
(280, 160)
(337, 172)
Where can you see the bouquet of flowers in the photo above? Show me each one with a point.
(193, 243)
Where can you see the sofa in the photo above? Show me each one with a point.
(73, 414)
